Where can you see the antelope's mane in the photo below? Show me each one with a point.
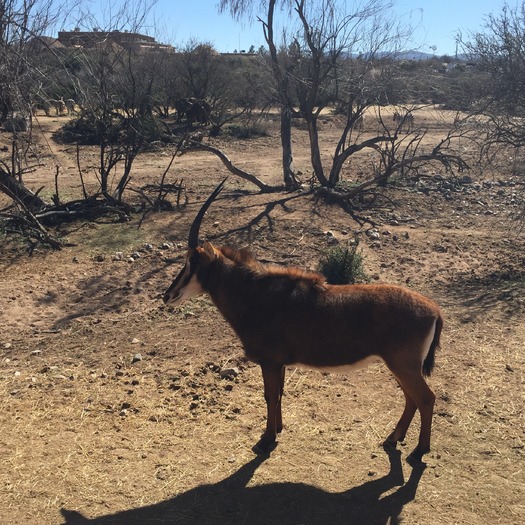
(245, 259)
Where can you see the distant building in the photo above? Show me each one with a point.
(123, 39)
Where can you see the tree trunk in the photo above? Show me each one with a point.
(290, 181)
(315, 153)
(10, 186)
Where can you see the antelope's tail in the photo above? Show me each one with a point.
(428, 363)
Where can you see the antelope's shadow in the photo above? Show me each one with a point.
(231, 502)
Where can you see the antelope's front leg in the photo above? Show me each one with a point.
(273, 382)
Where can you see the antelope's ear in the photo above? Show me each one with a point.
(209, 251)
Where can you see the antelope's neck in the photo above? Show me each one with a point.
(231, 289)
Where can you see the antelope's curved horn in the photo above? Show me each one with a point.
(193, 239)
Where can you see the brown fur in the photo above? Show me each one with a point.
(245, 259)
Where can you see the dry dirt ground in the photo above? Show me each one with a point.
(91, 434)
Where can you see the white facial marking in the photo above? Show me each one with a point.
(184, 287)
(191, 289)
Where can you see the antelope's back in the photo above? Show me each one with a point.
(346, 324)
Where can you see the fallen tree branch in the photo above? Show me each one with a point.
(32, 221)
(18, 192)
(196, 146)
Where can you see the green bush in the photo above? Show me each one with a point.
(343, 265)
(247, 131)
(90, 130)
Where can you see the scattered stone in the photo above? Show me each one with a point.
(99, 258)
(136, 358)
(75, 259)
(7, 346)
(166, 246)
(162, 474)
(373, 234)
(213, 367)
(135, 255)
(17, 374)
(118, 256)
(135, 341)
(148, 247)
(229, 373)
(36, 352)
(509, 368)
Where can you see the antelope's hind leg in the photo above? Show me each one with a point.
(418, 395)
(273, 377)
(400, 431)
(417, 389)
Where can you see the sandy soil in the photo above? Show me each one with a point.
(91, 433)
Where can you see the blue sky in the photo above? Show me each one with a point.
(437, 22)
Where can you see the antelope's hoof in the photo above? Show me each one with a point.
(391, 442)
(264, 447)
(415, 459)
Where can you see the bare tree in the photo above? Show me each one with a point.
(239, 8)
(22, 24)
(498, 52)
(114, 89)
(327, 40)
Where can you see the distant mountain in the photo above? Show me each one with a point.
(418, 55)
(413, 55)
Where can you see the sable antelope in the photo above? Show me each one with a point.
(58, 105)
(405, 121)
(287, 316)
(193, 110)
(70, 105)
(359, 122)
